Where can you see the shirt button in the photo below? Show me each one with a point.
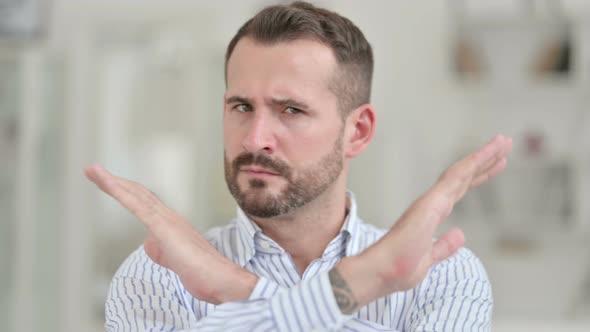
(265, 245)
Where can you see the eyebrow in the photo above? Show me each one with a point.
(283, 102)
(238, 99)
(290, 102)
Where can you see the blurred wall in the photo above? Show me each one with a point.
(138, 86)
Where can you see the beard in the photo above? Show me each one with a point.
(302, 186)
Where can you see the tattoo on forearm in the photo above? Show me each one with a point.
(344, 297)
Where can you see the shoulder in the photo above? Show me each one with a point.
(462, 266)
(456, 292)
(218, 236)
(367, 234)
(228, 240)
(139, 278)
(139, 266)
(141, 286)
(371, 229)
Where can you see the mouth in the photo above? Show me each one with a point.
(258, 171)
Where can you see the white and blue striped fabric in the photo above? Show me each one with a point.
(455, 296)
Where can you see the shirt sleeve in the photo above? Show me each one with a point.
(308, 306)
(456, 297)
(144, 296)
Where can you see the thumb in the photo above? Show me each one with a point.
(152, 249)
(447, 245)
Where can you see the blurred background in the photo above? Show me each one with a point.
(137, 86)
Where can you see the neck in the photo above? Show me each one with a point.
(306, 232)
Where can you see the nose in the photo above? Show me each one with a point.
(260, 135)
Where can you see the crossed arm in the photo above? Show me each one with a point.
(145, 296)
(397, 262)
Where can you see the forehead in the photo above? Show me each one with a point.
(299, 66)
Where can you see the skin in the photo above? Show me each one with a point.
(265, 75)
(278, 103)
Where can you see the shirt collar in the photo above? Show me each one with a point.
(250, 236)
(352, 226)
(246, 233)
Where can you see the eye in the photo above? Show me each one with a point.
(242, 108)
(292, 110)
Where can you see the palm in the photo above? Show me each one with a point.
(411, 238)
(172, 242)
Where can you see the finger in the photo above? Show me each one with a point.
(484, 172)
(149, 208)
(152, 249)
(101, 179)
(447, 245)
(488, 164)
(500, 153)
(457, 179)
(458, 176)
(488, 152)
(498, 158)
(132, 196)
(144, 204)
(139, 190)
(105, 180)
(491, 173)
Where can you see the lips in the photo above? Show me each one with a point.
(258, 170)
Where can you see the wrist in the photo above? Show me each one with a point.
(227, 282)
(237, 286)
(355, 283)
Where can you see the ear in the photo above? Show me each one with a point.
(360, 128)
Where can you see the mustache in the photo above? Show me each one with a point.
(262, 160)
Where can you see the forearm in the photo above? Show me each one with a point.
(353, 284)
(146, 296)
(236, 284)
(305, 307)
(359, 280)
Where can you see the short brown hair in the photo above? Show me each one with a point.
(282, 23)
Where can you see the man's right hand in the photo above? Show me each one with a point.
(401, 259)
(174, 244)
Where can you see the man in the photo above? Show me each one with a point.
(298, 258)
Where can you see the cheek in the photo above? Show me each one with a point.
(231, 134)
(306, 150)
(295, 124)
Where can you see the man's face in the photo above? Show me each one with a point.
(282, 128)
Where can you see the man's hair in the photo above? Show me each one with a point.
(300, 20)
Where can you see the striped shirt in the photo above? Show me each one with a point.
(455, 296)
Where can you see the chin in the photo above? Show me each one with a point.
(260, 193)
